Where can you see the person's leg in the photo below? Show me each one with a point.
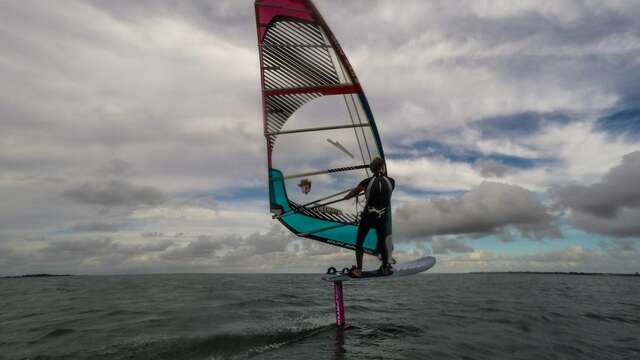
(363, 229)
(382, 244)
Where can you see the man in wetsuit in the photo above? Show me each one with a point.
(377, 189)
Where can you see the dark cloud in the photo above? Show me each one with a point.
(610, 206)
(153, 234)
(624, 224)
(5, 253)
(115, 193)
(618, 189)
(204, 201)
(89, 255)
(315, 248)
(201, 248)
(131, 250)
(491, 168)
(96, 226)
(486, 209)
(83, 249)
(618, 246)
(116, 167)
(441, 245)
(275, 240)
(77, 251)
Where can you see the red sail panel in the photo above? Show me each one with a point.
(266, 10)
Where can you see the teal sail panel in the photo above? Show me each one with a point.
(333, 232)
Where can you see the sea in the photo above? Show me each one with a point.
(291, 316)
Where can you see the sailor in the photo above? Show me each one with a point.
(377, 189)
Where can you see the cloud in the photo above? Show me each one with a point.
(203, 247)
(492, 168)
(115, 193)
(571, 258)
(77, 251)
(274, 240)
(441, 245)
(609, 206)
(230, 249)
(572, 254)
(86, 255)
(619, 188)
(82, 249)
(145, 248)
(116, 167)
(624, 224)
(621, 246)
(489, 208)
(152, 234)
(96, 226)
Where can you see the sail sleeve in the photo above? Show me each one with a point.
(319, 129)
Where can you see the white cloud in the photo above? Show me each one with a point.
(433, 174)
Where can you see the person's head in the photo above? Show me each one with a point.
(377, 165)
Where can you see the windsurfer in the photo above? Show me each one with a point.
(377, 189)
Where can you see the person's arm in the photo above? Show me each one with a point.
(355, 191)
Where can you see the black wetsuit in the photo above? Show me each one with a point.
(378, 190)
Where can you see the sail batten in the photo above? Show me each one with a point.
(322, 128)
(321, 172)
(309, 88)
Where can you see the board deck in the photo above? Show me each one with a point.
(404, 269)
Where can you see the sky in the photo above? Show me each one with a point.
(131, 135)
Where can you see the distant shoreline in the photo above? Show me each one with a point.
(556, 273)
(33, 276)
(473, 272)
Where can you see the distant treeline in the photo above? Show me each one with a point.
(32, 275)
(556, 273)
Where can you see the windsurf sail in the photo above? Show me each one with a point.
(319, 129)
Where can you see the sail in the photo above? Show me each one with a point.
(319, 129)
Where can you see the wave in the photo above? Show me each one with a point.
(609, 318)
(122, 313)
(59, 332)
(223, 346)
(390, 331)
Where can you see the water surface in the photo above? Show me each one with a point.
(430, 316)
